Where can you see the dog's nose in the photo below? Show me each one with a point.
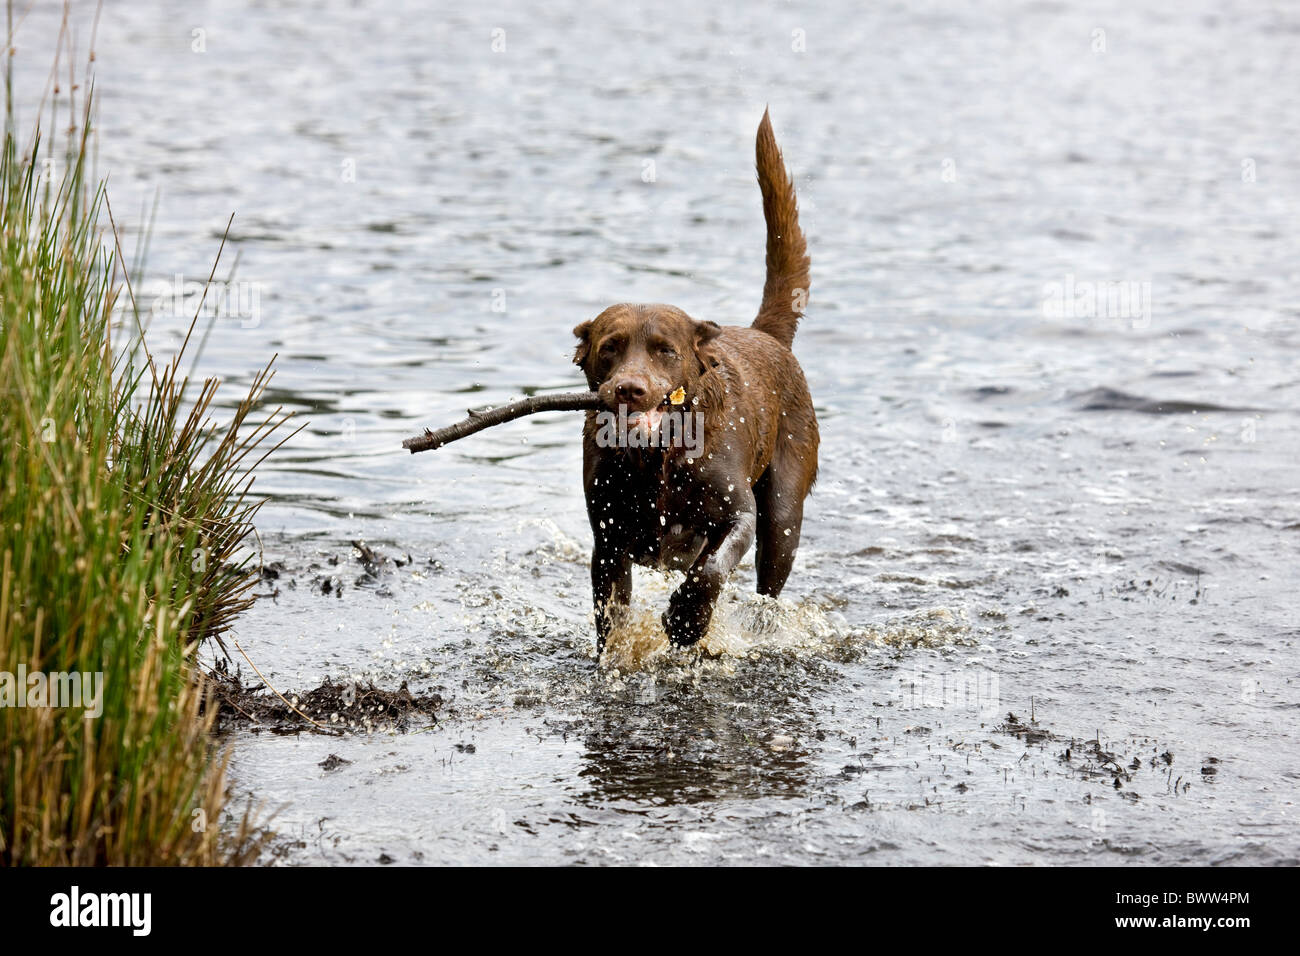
(630, 391)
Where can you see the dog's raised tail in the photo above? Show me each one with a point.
(785, 292)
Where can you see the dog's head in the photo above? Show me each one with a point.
(641, 355)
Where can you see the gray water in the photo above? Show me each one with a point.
(1083, 513)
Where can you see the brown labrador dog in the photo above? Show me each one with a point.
(714, 444)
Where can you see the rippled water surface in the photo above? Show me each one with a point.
(1045, 610)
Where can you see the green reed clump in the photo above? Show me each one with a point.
(125, 516)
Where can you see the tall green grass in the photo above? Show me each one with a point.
(125, 516)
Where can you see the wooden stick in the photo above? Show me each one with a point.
(477, 421)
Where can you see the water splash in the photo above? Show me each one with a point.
(747, 625)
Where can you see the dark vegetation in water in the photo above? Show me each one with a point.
(1097, 760)
(331, 708)
(327, 577)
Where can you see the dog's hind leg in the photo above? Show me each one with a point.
(779, 495)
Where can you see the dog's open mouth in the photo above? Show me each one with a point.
(648, 421)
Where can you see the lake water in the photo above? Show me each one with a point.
(1053, 341)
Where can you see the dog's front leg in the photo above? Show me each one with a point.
(691, 607)
(611, 589)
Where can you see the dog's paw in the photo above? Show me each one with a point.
(684, 628)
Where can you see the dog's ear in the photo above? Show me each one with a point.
(583, 332)
(704, 333)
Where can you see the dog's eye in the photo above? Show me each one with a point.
(608, 348)
(668, 350)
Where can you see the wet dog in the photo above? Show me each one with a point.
(656, 498)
